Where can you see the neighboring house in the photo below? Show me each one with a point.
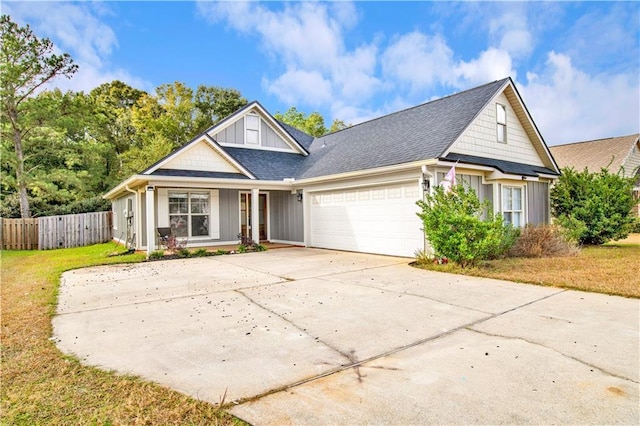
(354, 190)
(617, 155)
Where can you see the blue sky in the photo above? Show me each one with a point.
(576, 64)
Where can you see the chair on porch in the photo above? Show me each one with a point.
(163, 235)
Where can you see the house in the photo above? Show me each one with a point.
(355, 189)
(617, 155)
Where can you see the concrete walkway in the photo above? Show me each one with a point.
(305, 336)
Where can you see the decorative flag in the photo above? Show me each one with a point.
(449, 179)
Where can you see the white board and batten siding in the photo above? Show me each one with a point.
(480, 139)
(376, 219)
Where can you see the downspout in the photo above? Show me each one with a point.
(135, 220)
(426, 183)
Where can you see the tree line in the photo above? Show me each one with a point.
(60, 151)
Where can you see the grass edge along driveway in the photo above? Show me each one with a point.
(40, 385)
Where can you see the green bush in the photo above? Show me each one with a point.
(593, 207)
(183, 252)
(201, 252)
(454, 225)
(156, 255)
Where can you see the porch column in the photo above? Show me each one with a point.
(255, 215)
(151, 220)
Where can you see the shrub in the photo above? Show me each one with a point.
(201, 252)
(156, 255)
(634, 228)
(594, 207)
(455, 228)
(183, 252)
(543, 241)
(242, 248)
(221, 252)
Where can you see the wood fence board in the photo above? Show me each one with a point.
(56, 231)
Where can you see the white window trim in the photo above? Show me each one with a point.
(498, 123)
(214, 211)
(258, 130)
(525, 219)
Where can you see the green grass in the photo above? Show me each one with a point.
(611, 269)
(40, 385)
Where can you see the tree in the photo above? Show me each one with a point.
(312, 125)
(594, 207)
(214, 104)
(454, 225)
(26, 64)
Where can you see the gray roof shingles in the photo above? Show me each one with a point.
(419, 133)
(414, 134)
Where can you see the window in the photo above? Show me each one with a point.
(189, 214)
(512, 205)
(501, 123)
(252, 123)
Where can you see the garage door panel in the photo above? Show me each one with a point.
(374, 220)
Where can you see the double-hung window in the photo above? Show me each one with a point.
(513, 205)
(189, 214)
(501, 123)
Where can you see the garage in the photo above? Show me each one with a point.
(376, 219)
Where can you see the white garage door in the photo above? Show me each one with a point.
(378, 219)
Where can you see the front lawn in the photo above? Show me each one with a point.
(612, 269)
(40, 385)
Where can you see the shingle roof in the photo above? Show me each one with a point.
(198, 173)
(268, 165)
(502, 165)
(418, 133)
(301, 137)
(609, 153)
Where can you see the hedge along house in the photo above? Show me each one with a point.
(355, 189)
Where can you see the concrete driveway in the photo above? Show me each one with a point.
(305, 336)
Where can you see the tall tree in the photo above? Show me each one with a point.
(215, 103)
(26, 64)
(312, 124)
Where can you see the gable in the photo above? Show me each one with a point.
(200, 156)
(480, 139)
(254, 128)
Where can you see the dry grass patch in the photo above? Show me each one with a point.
(611, 269)
(40, 385)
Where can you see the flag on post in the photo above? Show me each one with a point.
(449, 180)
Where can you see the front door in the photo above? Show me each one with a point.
(245, 215)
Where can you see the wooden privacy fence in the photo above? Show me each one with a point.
(73, 230)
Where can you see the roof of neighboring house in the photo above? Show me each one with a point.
(609, 153)
(419, 133)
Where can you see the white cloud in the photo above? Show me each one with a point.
(570, 105)
(298, 84)
(307, 39)
(76, 29)
(492, 64)
(510, 33)
(418, 60)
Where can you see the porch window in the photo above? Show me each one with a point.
(501, 123)
(513, 205)
(189, 214)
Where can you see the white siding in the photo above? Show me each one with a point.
(480, 139)
(200, 157)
